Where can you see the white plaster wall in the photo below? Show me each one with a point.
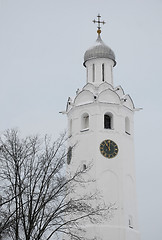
(115, 177)
(108, 65)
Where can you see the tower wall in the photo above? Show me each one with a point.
(115, 178)
(99, 70)
(101, 114)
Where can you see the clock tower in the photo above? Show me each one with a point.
(101, 124)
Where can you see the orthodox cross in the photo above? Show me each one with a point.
(99, 22)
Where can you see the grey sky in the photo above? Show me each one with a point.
(42, 43)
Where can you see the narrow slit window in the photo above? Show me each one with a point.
(93, 72)
(107, 121)
(103, 72)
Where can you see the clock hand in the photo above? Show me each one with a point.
(109, 145)
(106, 145)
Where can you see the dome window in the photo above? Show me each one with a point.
(108, 121)
(93, 73)
(103, 72)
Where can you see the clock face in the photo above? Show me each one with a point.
(108, 148)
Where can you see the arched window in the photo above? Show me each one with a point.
(108, 121)
(70, 128)
(85, 121)
(127, 125)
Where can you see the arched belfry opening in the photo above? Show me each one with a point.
(108, 121)
(85, 121)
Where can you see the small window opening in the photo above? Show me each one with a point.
(103, 72)
(93, 72)
(127, 125)
(107, 121)
(130, 222)
(85, 121)
(84, 166)
(69, 155)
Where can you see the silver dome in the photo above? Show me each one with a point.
(99, 50)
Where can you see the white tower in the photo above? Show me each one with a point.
(100, 121)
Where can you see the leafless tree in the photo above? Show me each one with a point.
(35, 192)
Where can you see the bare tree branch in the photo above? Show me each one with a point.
(37, 200)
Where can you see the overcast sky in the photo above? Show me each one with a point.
(42, 44)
